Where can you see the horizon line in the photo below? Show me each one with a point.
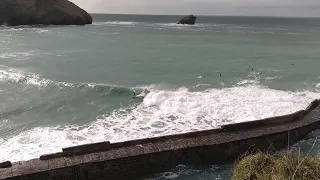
(202, 15)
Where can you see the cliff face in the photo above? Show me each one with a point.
(31, 12)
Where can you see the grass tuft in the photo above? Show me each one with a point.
(286, 166)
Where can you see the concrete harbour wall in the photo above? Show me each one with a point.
(140, 158)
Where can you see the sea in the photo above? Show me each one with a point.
(63, 86)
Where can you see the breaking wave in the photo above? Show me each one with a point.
(160, 112)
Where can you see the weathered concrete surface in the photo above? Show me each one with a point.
(140, 158)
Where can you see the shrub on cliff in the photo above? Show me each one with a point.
(286, 166)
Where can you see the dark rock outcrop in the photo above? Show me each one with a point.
(191, 20)
(6, 164)
(46, 12)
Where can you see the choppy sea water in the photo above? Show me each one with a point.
(68, 85)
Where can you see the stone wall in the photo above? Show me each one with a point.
(140, 158)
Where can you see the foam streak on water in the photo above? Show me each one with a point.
(162, 112)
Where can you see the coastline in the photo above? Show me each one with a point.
(145, 157)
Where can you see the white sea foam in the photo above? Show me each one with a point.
(247, 81)
(24, 28)
(20, 77)
(179, 25)
(158, 26)
(42, 30)
(181, 171)
(201, 85)
(162, 112)
(17, 55)
(23, 55)
(115, 23)
(15, 75)
(4, 123)
(273, 78)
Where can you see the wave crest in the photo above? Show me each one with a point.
(36, 80)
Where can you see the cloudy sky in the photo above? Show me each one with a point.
(298, 8)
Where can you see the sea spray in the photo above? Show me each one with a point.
(161, 112)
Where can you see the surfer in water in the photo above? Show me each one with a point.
(135, 95)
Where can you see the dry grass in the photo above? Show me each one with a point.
(286, 166)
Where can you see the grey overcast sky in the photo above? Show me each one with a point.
(297, 8)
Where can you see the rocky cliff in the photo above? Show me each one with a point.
(32, 12)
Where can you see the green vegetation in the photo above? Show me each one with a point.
(286, 166)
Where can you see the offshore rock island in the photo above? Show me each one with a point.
(190, 20)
